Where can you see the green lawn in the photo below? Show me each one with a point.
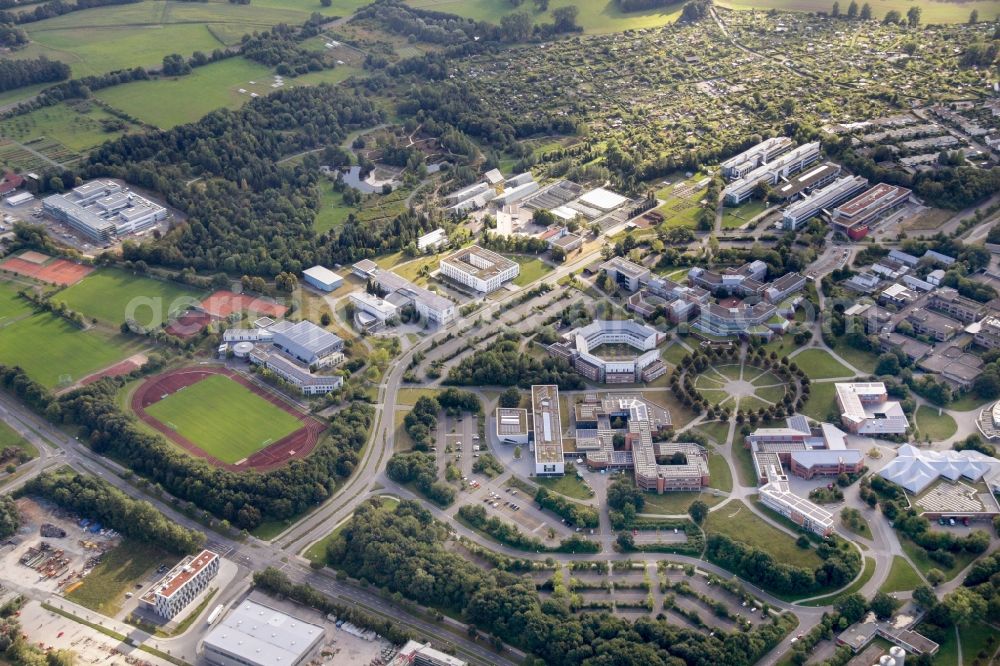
(819, 364)
(10, 437)
(104, 589)
(568, 485)
(48, 348)
(722, 476)
(925, 564)
(12, 306)
(717, 430)
(976, 639)
(332, 211)
(931, 423)
(112, 296)
(677, 502)
(674, 354)
(862, 360)
(170, 101)
(822, 401)
(902, 577)
(864, 529)
(224, 418)
(738, 522)
(532, 268)
(76, 125)
(968, 402)
(596, 16)
(734, 218)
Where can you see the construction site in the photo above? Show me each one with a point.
(53, 551)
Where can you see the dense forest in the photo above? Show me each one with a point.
(245, 499)
(279, 48)
(17, 73)
(403, 551)
(94, 498)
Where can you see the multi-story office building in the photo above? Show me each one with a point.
(480, 269)
(629, 275)
(826, 198)
(762, 153)
(956, 306)
(547, 441)
(856, 216)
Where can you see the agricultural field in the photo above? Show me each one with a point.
(682, 201)
(596, 16)
(103, 39)
(112, 295)
(78, 126)
(70, 353)
(224, 418)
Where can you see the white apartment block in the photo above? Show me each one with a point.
(182, 584)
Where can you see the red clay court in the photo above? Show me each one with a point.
(57, 271)
(223, 303)
(189, 324)
(299, 444)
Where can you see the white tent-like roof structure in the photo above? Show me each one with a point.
(914, 469)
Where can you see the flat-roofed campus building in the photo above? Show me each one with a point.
(547, 441)
(807, 181)
(915, 469)
(626, 273)
(480, 269)
(253, 634)
(293, 372)
(322, 278)
(777, 495)
(102, 210)
(808, 452)
(430, 306)
(780, 167)
(512, 425)
(866, 409)
(856, 216)
(826, 198)
(579, 349)
(182, 584)
(658, 466)
(762, 153)
(371, 312)
(307, 342)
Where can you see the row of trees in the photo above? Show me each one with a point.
(840, 565)
(404, 552)
(98, 500)
(504, 364)
(579, 515)
(18, 73)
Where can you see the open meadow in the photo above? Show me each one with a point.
(76, 126)
(103, 39)
(69, 353)
(224, 418)
(596, 16)
(112, 295)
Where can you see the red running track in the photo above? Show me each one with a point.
(299, 444)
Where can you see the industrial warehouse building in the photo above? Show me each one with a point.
(253, 634)
(102, 210)
(322, 278)
(482, 270)
(182, 584)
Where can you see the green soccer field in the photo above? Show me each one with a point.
(48, 348)
(112, 295)
(224, 418)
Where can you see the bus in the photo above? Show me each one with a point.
(214, 615)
